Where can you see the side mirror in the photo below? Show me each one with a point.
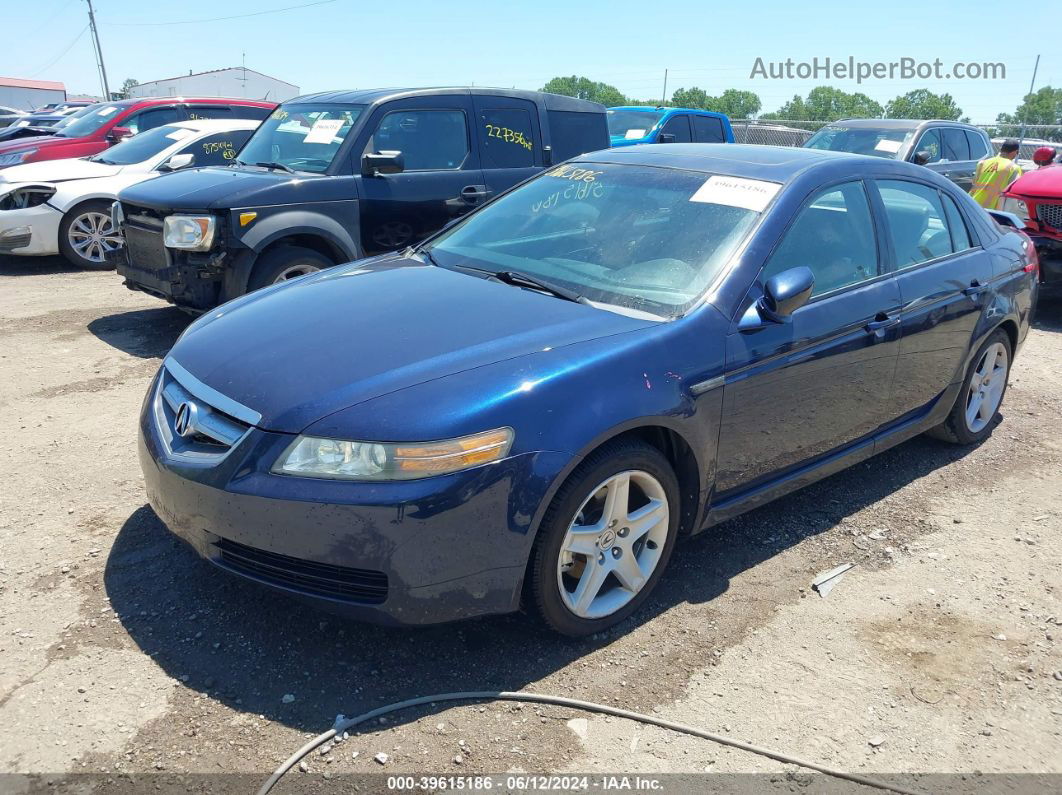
(118, 134)
(786, 292)
(373, 164)
(921, 157)
(665, 138)
(178, 161)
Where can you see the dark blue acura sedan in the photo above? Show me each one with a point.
(531, 407)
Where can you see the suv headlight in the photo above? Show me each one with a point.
(15, 157)
(1016, 206)
(192, 232)
(314, 457)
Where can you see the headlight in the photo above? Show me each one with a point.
(1016, 206)
(310, 456)
(193, 232)
(23, 198)
(15, 157)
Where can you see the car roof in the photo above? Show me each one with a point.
(671, 110)
(896, 124)
(371, 96)
(216, 125)
(128, 103)
(754, 161)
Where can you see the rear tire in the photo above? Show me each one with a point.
(605, 539)
(973, 416)
(86, 235)
(286, 262)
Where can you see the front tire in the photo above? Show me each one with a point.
(86, 236)
(286, 262)
(973, 416)
(605, 540)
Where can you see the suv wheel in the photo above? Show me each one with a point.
(286, 262)
(605, 539)
(86, 236)
(972, 417)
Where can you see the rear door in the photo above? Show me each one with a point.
(942, 274)
(708, 130)
(959, 166)
(799, 390)
(442, 179)
(510, 140)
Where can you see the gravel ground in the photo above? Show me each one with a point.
(122, 654)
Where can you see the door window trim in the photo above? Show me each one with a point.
(452, 109)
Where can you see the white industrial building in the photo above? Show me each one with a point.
(234, 82)
(30, 94)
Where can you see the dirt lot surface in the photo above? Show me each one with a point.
(123, 654)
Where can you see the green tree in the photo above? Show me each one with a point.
(1043, 107)
(735, 104)
(585, 88)
(825, 103)
(696, 98)
(923, 104)
(127, 87)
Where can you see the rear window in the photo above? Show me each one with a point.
(574, 134)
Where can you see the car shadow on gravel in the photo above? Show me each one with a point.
(146, 333)
(248, 647)
(1049, 309)
(34, 266)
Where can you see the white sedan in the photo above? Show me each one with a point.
(64, 206)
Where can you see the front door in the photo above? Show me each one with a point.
(510, 140)
(442, 179)
(798, 390)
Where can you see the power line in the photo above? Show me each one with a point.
(221, 19)
(60, 55)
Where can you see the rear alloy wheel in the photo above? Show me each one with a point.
(606, 539)
(284, 263)
(86, 236)
(978, 402)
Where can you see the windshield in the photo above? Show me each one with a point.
(647, 239)
(301, 137)
(140, 147)
(860, 140)
(632, 123)
(96, 117)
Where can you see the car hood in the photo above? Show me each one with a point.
(300, 351)
(1041, 182)
(35, 142)
(227, 187)
(58, 171)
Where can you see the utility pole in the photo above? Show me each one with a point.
(99, 53)
(1025, 116)
(663, 99)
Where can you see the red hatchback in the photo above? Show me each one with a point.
(110, 122)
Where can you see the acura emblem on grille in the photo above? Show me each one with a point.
(185, 421)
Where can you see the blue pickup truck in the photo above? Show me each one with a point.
(644, 125)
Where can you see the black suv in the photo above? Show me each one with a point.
(334, 177)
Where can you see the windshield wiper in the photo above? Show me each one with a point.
(518, 279)
(280, 166)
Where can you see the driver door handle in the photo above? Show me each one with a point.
(474, 193)
(881, 323)
(974, 290)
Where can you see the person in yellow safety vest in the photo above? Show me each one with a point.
(994, 175)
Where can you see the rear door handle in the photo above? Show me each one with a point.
(474, 193)
(974, 290)
(880, 324)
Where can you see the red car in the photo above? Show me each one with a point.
(110, 122)
(1036, 198)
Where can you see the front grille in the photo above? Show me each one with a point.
(144, 244)
(1050, 214)
(209, 427)
(319, 579)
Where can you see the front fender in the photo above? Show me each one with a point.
(336, 222)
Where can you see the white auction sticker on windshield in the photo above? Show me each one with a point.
(323, 131)
(635, 134)
(107, 111)
(885, 145)
(750, 194)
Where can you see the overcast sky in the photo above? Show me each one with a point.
(351, 44)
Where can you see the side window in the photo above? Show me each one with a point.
(834, 236)
(978, 148)
(429, 140)
(152, 118)
(679, 126)
(209, 112)
(918, 227)
(248, 112)
(955, 145)
(930, 142)
(217, 149)
(573, 133)
(960, 235)
(707, 130)
(506, 138)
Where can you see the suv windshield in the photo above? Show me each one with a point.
(141, 147)
(91, 121)
(301, 137)
(860, 140)
(632, 123)
(647, 239)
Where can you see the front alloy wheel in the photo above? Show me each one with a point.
(605, 539)
(87, 236)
